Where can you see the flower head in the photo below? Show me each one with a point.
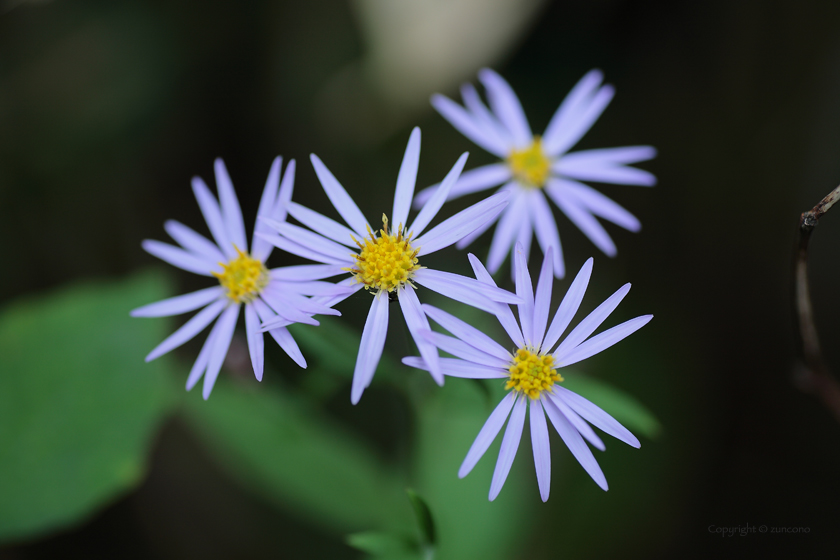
(388, 262)
(534, 167)
(278, 295)
(532, 371)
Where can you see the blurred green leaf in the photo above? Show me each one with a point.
(384, 545)
(281, 447)
(467, 524)
(621, 406)
(424, 517)
(78, 403)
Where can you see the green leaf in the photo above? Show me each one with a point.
(621, 406)
(381, 545)
(467, 524)
(79, 405)
(424, 517)
(284, 449)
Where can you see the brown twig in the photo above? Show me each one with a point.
(814, 376)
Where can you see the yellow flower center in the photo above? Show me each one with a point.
(532, 373)
(243, 277)
(530, 166)
(385, 262)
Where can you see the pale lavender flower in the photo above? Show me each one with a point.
(388, 264)
(532, 371)
(277, 295)
(535, 166)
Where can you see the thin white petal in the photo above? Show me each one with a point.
(525, 291)
(506, 230)
(371, 346)
(487, 434)
(339, 198)
(256, 344)
(597, 417)
(281, 335)
(581, 217)
(303, 272)
(285, 305)
(500, 310)
(510, 443)
(296, 249)
(464, 222)
(260, 248)
(443, 281)
(591, 321)
(180, 258)
(507, 107)
(468, 239)
(523, 239)
(192, 241)
(231, 212)
(269, 194)
(323, 225)
(458, 368)
(213, 216)
(312, 288)
(416, 321)
(573, 440)
(602, 341)
(431, 208)
(546, 229)
(581, 122)
(284, 195)
(466, 124)
(461, 349)
(188, 330)
(406, 180)
(542, 299)
(461, 288)
(602, 206)
(484, 117)
(615, 174)
(285, 340)
(221, 342)
(311, 240)
(464, 289)
(612, 156)
(542, 451)
(571, 107)
(474, 180)
(200, 364)
(568, 307)
(574, 419)
(467, 333)
(179, 304)
(330, 301)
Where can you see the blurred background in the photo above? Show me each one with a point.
(107, 109)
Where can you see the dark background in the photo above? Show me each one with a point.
(108, 109)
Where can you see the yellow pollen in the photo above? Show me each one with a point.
(243, 277)
(385, 262)
(532, 373)
(530, 166)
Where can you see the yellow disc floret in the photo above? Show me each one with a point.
(243, 277)
(530, 166)
(385, 262)
(532, 373)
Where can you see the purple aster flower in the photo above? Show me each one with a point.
(387, 262)
(532, 371)
(536, 166)
(277, 295)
